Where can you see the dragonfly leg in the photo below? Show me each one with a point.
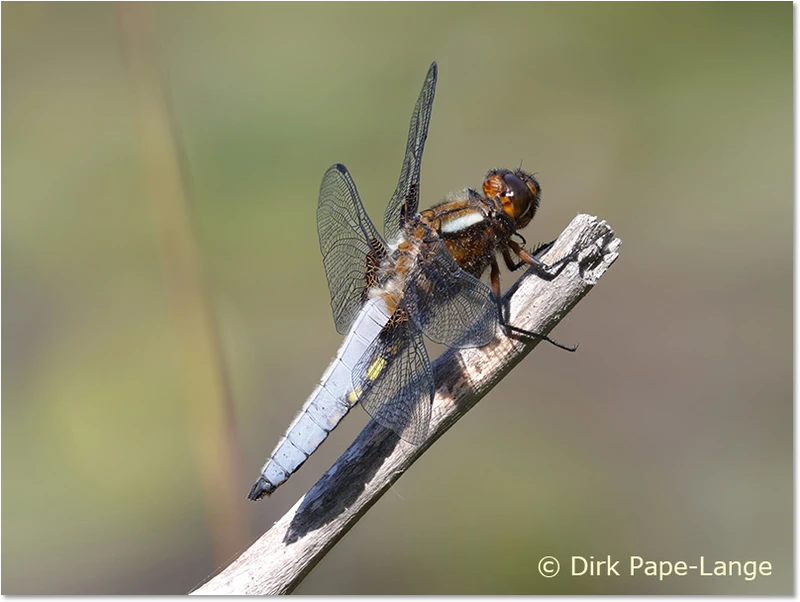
(515, 265)
(548, 272)
(510, 263)
(495, 280)
(543, 247)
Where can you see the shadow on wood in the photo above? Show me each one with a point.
(332, 495)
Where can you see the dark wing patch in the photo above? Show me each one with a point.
(405, 200)
(394, 382)
(352, 249)
(451, 306)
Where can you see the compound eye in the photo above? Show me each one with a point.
(514, 186)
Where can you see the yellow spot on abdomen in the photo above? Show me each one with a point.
(373, 372)
(376, 368)
(353, 395)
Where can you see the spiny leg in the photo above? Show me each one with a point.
(548, 272)
(510, 263)
(495, 280)
(514, 266)
(544, 247)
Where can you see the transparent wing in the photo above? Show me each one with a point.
(451, 306)
(352, 249)
(395, 382)
(405, 199)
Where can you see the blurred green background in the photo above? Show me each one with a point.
(668, 435)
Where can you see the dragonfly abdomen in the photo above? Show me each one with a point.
(326, 406)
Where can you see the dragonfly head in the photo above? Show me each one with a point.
(517, 193)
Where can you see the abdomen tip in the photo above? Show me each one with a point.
(260, 490)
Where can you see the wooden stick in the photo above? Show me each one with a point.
(281, 558)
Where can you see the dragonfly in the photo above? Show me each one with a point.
(422, 278)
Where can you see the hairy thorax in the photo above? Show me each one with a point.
(469, 231)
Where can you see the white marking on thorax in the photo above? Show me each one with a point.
(463, 222)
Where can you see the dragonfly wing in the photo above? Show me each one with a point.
(394, 382)
(451, 306)
(352, 249)
(405, 199)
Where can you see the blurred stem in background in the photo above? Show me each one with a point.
(210, 408)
